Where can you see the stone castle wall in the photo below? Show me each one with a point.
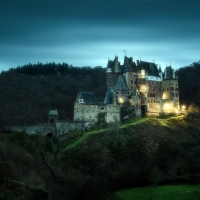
(86, 112)
(32, 129)
(59, 126)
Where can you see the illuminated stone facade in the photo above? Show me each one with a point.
(133, 88)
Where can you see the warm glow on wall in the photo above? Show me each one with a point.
(143, 88)
(166, 106)
(165, 95)
(142, 72)
(121, 100)
(183, 107)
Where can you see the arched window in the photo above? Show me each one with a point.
(52, 121)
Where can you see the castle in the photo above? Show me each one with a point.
(134, 88)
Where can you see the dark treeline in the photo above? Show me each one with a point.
(189, 84)
(28, 92)
(53, 69)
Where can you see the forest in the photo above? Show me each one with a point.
(28, 92)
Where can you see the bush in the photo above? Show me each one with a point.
(5, 196)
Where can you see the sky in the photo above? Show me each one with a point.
(89, 32)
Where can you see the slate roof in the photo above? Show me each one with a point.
(169, 72)
(88, 98)
(53, 112)
(150, 68)
(109, 96)
(121, 84)
(129, 65)
(101, 104)
(160, 71)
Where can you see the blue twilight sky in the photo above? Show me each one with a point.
(88, 32)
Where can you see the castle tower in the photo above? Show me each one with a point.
(143, 88)
(121, 90)
(112, 106)
(52, 116)
(170, 89)
(112, 72)
(116, 65)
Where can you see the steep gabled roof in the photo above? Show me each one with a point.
(88, 98)
(149, 67)
(121, 84)
(53, 112)
(129, 65)
(168, 73)
(109, 96)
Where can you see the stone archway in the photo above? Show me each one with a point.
(49, 135)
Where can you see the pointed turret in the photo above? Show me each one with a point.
(116, 65)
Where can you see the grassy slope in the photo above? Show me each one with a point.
(172, 123)
(86, 134)
(175, 192)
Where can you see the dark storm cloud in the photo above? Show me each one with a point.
(87, 32)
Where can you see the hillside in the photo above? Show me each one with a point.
(29, 92)
(144, 151)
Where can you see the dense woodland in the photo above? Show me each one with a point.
(189, 84)
(28, 92)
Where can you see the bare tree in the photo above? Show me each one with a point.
(52, 157)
